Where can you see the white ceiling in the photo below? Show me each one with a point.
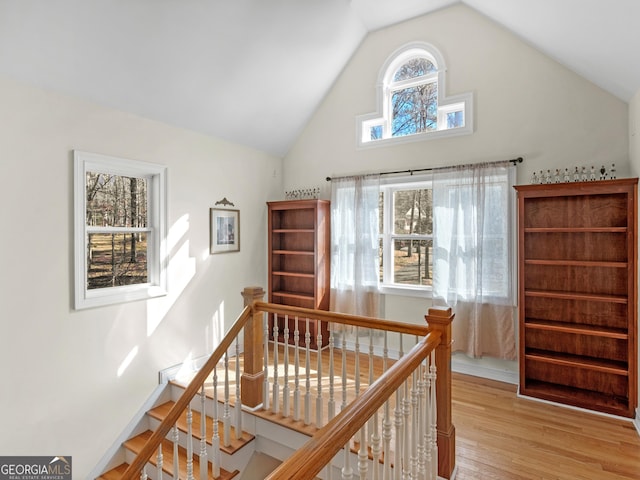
(253, 71)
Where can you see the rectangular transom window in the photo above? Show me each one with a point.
(119, 230)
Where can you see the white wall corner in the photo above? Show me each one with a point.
(636, 421)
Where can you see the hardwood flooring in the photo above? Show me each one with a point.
(500, 436)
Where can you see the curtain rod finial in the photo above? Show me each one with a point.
(328, 179)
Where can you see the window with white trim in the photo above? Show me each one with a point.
(120, 230)
(406, 236)
(412, 104)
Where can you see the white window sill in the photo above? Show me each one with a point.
(406, 291)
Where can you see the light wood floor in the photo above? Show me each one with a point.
(500, 436)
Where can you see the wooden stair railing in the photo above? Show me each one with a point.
(309, 460)
(253, 384)
(194, 387)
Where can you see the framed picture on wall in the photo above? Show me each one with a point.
(224, 229)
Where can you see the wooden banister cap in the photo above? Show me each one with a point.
(439, 311)
(439, 315)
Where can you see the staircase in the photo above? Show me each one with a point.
(344, 410)
(240, 455)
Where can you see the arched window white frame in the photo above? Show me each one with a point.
(452, 115)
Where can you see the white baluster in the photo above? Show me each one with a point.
(215, 439)
(421, 420)
(347, 471)
(386, 439)
(406, 442)
(296, 391)
(276, 386)
(363, 454)
(265, 387)
(176, 457)
(413, 416)
(434, 416)
(343, 405)
(374, 428)
(319, 401)
(238, 403)
(285, 390)
(332, 403)
(143, 474)
(189, 444)
(399, 436)
(399, 425)
(386, 421)
(203, 435)
(307, 363)
(159, 461)
(226, 413)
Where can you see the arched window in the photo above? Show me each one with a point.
(412, 101)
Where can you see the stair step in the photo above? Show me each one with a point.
(135, 445)
(114, 473)
(161, 411)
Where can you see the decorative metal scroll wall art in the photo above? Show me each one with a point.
(302, 194)
(578, 174)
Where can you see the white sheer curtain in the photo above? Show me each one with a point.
(354, 245)
(473, 256)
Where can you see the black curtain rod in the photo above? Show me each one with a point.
(515, 161)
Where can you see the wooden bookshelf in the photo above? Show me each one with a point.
(577, 247)
(299, 262)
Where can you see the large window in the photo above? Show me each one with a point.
(412, 101)
(406, 241)
(119, 229)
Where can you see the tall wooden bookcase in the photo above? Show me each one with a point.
(299, 261)
(578, 294)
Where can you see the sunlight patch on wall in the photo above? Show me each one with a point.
(180, 270)
(217, 326)
(127, 361)
(186, 370)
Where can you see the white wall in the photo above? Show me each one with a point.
(65, 388)
(634, 156)
(526, 105)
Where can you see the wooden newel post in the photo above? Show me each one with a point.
(440, 318)
(251, 382)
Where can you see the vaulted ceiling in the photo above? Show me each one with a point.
(253, 71)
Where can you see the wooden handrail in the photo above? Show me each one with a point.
(314, 455)
(138, 463)
(345, 319)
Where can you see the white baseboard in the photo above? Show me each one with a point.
(483, 371)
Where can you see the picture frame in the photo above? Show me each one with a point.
(224, 228)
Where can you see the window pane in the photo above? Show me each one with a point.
(412, 262)
(116, 201)
(375, 132)
(415, 109)
(455, 119)
(416, 67)
(116, 259)
(412, 210)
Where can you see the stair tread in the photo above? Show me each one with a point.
(117, 472)
(161, 411)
